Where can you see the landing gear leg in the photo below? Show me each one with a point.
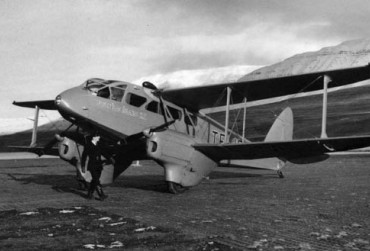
(280, 165)
(176, 188)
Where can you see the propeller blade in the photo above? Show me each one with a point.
(149, 131)
(149, 85)
(161, 127)
(57, 138)
(157, 92)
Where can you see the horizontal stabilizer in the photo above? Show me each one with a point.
(281, 130)
(288, 150)
(42, 104)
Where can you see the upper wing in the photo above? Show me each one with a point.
(200, 97)
(42, 104)
(288, 150)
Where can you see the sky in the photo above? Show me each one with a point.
(48, 46)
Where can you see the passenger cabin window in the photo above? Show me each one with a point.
(176, 114)
(154, 107)
(104, 93)
(135, 100)
(117, 94)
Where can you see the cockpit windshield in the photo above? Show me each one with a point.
(109, 89)
(94, 84)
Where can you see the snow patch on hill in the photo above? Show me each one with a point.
(187, 78)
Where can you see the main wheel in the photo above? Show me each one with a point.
(176, 188)
(280, 173)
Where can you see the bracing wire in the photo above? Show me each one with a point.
(218, 101)
(286, 100)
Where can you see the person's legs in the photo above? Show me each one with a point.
(94, 182)
(99, 188)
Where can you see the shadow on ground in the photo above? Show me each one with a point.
(150, 182)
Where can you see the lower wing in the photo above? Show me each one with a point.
(37, 150)
(42, 104)
(288, 150)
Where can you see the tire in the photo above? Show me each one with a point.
(176, 188)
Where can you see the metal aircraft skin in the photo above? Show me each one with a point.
(143, 122)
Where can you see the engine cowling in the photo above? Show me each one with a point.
(71, 151)
(68, 149)
(182, 163)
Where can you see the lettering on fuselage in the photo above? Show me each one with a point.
(122, 109)
(219, 138)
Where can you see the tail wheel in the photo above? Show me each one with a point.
(176, 188)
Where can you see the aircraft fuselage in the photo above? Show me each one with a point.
(129, 114)
(123, 109)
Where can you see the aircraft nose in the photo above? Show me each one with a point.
(58, 100)
(68, 104)
(61, 104)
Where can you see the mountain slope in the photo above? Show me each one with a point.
(348, 109)
(347, 54)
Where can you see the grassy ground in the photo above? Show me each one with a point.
(322, 206)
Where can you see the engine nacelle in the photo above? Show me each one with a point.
(69, 150)
(182, 163)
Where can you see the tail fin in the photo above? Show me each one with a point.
(281, 130)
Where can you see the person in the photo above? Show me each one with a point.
(95, 166)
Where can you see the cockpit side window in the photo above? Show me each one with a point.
(104, 93)
(117, 94)
(135, 100)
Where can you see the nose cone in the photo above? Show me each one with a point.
(68, 104)
(58, 100)
(62, 104)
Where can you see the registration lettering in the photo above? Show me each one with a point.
(219, 138)
(122, 109)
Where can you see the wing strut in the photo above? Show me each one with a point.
(227, 115)
(327, 80)
(244, 117)
(35, 125)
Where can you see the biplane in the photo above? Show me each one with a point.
(169, 126)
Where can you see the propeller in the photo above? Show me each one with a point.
(158, 93)
(58, 137)
(148, 132)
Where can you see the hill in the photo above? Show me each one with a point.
(347, 54)
(348, 109)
